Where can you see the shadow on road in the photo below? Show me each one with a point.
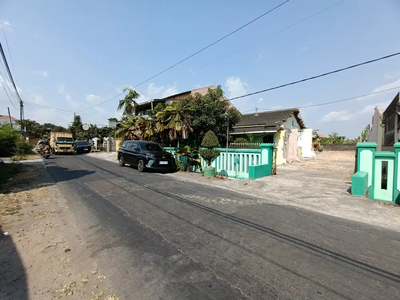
(61, 174)
(13, 281)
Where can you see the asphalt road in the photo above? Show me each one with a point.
(160, 238)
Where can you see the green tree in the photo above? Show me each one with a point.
(76, 128)
(211, 112)
(145, 128)
(33, 128)
(176, 120)
(210, 141)
(128, 104)
(127, 128)
(9, 139)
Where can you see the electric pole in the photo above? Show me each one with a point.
(9, 117)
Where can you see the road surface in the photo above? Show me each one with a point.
(160, 238)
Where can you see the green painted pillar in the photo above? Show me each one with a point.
(396, 185)
(267, 156)
(365, 159)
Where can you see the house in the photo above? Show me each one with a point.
(391, 123)
(5, 119)
(143, 109)
(283, 127)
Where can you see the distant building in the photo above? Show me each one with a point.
(391, 122)
(5, 119)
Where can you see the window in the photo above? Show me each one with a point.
(390, 129)
(151, 147)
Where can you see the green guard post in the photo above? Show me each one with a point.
(396, 184)
(365, 159)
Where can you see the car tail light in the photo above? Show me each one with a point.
(47, 151)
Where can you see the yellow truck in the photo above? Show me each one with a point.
(61, 142)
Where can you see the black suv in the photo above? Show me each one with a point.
(146, 155)
(82, 147)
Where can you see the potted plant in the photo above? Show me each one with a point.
(209, 154)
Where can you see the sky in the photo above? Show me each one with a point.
(68, 56)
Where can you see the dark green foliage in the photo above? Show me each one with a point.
(34, 129)
(210, 140)
(211, 112)
(24, 148)
(8, 140)
(209, 155)
(241, 140)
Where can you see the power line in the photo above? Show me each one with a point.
(8, 47)
(212, 44)
(263, 39)
(316, 76)
(3, 83)
(58, 109)
(197, 52)
(336, 101)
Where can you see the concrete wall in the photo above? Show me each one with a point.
(279, 142)
(339, 147)
(376, 134)
(292, 145)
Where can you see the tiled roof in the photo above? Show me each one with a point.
(267, 121)
(7, 117)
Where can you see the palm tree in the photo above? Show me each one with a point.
(176, 120)
(128, 104)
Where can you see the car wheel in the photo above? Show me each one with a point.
(121, 161)
(140, 165)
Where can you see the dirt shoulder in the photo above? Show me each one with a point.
(42, 254)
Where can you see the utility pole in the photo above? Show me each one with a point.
(9, 116)
(21, 103)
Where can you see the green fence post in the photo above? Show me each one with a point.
(396, 183)
(266, 156)
(365, 160)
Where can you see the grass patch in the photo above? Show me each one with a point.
(8, 171)
(24, 157)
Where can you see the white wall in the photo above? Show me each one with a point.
(291, 123)
(305, 142)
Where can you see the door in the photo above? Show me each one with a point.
(384, 179)
(134, 153)
(126, 153)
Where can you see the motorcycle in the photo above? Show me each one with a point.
(45, 152)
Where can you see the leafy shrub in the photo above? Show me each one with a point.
(210, 140)
(24, 148)
(209, 155)
(8, 140)
(241, 140)
(179, 164)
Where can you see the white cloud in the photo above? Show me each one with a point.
(235, 86)
(369, 109)
(5, 24)
(93, 99)
(260, 56)
(304, 48)
(391, 85)
(43, 73)
(153, 90)
(260, 100)
(337, 116)
(170, 90)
